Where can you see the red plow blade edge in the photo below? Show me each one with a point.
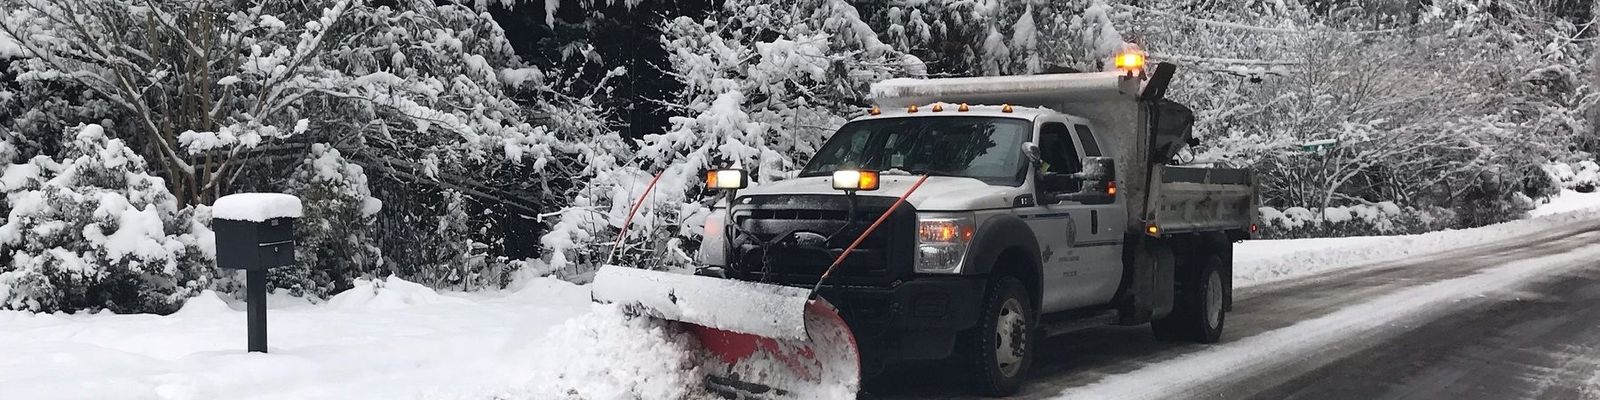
(762, 340)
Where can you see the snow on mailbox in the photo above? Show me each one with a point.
(255, 231)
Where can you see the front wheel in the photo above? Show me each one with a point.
(1000, 348)
(1198, 314)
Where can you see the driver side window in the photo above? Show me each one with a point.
(1058, 157)
(1057, 151)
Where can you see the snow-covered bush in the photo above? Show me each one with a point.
(764, 84)
(229, 96)
(336, 242)
(1579, 176)
(93, 230)
(457, 260)
(1383, 218)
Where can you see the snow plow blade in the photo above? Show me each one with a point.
(765, 340)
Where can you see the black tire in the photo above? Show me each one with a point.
(1199, 312)
(1005, 300)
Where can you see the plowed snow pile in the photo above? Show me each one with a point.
(608, 355)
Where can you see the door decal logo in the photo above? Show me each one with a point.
(1072, 231)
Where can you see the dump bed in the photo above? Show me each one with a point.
(1193, 199)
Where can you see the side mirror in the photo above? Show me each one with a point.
(1031, 151)
(1099, 182)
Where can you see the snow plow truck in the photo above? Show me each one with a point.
(963, 217)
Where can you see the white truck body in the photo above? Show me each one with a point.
(1121, 254)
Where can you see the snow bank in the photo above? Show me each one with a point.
(1262, 261)
(387, 294)
(1567, 201)
(207, 303)
(256, 207)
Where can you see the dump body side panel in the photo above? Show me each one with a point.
(1189, 199)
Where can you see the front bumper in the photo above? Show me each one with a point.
(913, 320)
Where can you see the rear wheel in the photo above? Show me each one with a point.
(1000, 348)
(1198, 313)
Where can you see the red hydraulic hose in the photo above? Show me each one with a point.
(840, 260)
(629, 221)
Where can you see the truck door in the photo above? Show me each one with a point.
(1080, 245)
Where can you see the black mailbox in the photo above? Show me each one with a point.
(254, 232)
(254, 245)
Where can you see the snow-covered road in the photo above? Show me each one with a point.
(1306, 336)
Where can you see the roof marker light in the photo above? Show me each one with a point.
(1005, 108)
(1130, 63)
(963, 107)
(912, 109)
(874, 111)
(1130, 60)
(937, 107)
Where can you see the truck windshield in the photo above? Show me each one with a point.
(987, 148)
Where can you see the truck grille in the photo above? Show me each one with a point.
(792, 239)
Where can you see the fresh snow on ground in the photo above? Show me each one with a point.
(388, 339)
(546, 339)
(1568, 201)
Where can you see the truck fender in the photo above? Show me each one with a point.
(997, 235)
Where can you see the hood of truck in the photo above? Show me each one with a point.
(939, 193)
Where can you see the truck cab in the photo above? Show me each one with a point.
(1032, 219)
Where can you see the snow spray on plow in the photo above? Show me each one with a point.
(766, 340)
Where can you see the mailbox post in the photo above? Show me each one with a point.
(255, 232)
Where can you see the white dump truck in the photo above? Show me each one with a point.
(972, 217)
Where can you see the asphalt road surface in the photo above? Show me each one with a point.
(1542, 342)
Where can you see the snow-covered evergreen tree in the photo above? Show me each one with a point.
(93, 230)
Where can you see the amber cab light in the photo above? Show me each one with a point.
(1129, 61)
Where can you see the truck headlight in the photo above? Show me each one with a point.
(942, 243)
